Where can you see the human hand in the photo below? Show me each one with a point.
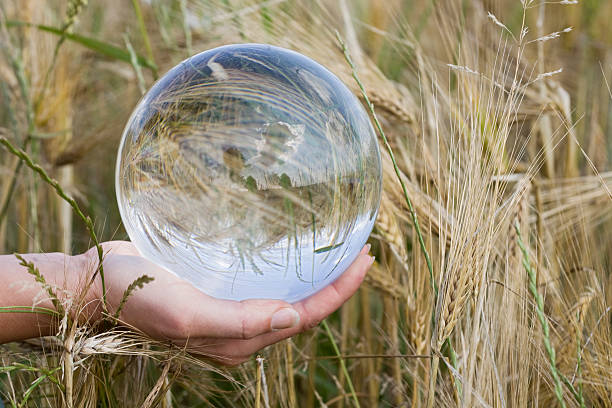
(169, 308)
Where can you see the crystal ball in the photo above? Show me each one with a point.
(250, 171)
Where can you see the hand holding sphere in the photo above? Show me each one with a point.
(171, 309)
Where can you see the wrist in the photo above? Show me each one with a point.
(41, 304)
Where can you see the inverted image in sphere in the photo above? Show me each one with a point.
(250, 171)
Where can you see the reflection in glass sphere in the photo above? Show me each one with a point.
(250, 171)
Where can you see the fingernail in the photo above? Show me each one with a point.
(365, 249)
(284, 319)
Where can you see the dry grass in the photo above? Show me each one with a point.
(490, 141)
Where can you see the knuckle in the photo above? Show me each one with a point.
(249, 330)
(311, 323)
(309, 317)
(248, 323)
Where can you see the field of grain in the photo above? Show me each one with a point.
(492, 284)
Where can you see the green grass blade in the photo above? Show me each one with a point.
(28, 309)
(143, 29)
(35, 384)
(98, 46)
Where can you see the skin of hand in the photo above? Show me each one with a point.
(170, 309)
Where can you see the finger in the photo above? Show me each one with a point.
(205, 350)
(215, 348)
(312, 311)
(219, 359)
(224, 351)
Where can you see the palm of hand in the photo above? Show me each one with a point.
(171, 309)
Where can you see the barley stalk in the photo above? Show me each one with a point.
(153, 394)
(413, 214)
(395, 166)
(388, 227)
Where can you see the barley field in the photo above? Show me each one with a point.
(492, 285)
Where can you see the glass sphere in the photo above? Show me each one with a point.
(250, 171)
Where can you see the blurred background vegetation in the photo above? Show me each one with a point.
(499, 114)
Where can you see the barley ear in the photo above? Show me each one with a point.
(137, 284)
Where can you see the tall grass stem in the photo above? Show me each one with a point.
(533, 288)
(143, 31)
(23, 156)
(342, 363)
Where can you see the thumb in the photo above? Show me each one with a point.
(246, 319)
